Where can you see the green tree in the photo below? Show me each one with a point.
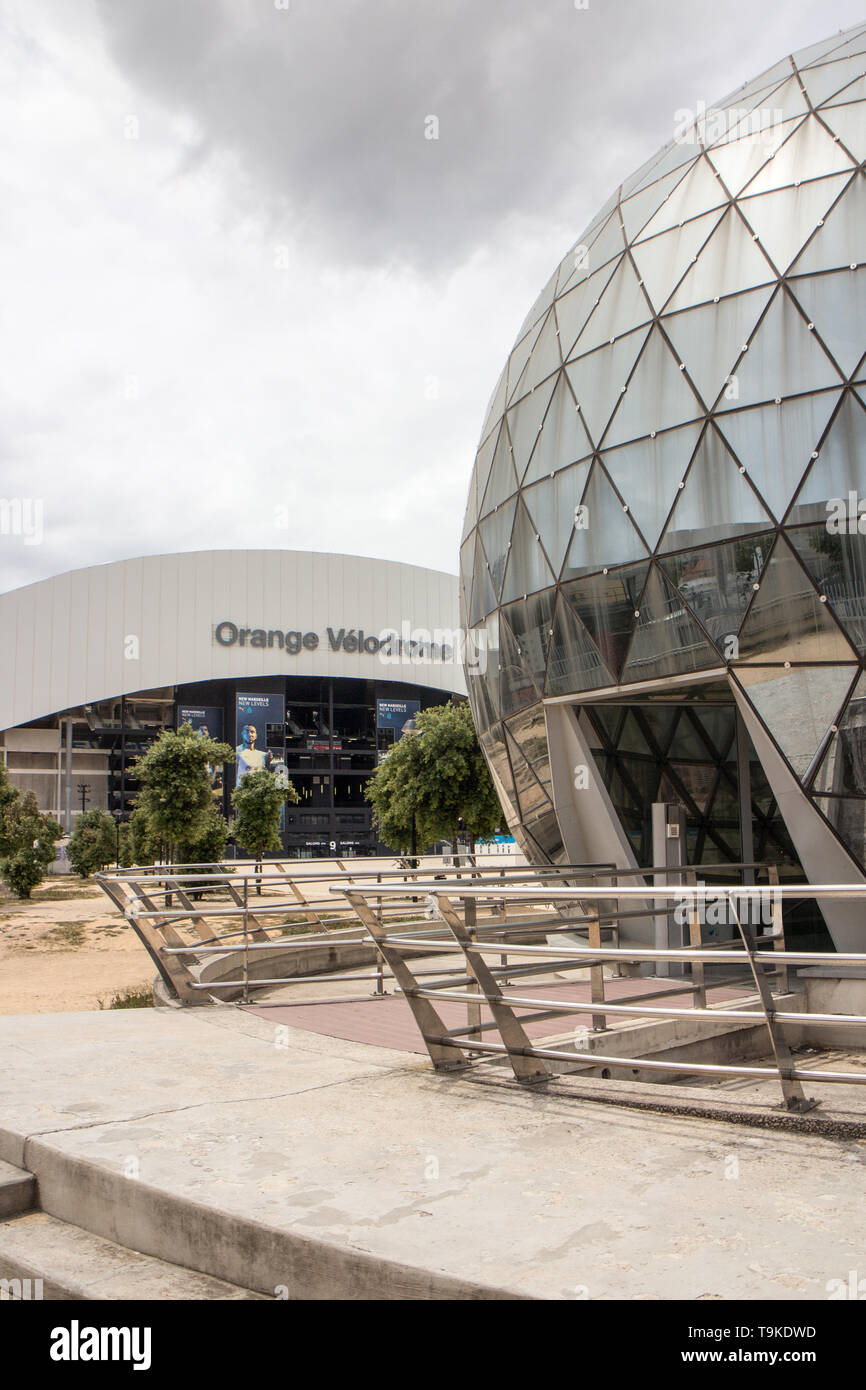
(258, 801)
(438, 777)
(27, 842)
(210, 845)
(176, 796)
(141, 847)
(92, 843)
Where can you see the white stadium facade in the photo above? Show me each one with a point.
(311, 661)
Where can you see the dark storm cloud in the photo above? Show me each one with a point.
(324, 104)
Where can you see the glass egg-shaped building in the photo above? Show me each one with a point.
(663, 561)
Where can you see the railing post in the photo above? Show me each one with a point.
(473, 1011)
(792, 1092)
(246, 993)
(778, 927)
(596, 972)
(697, 966)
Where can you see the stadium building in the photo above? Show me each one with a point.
(310, 662)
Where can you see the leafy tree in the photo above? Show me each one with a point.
(439, 778)
(258, 801)
(210, 845)
(93, 842)
(27, 841)
(176, 796)
(137, 843)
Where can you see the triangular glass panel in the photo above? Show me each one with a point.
(715, 582)
(524, 421)
(527, 569)
(493, 747)
(603, 533)
(716, 502)
(564, 438)
(470, 516)
(809, 147)
(622, 307)
(483, 598)
(467, 562)
(819, 52)
(586, 256)
(483, 464)
(855, 44)
(609, 242)
(481, 663)
(836, 562)
(783, 358)
(484, 710)
(775, 443)
(647, 475)
(575, 662)
(786, 620)
(847, 816)
(543, 360)
(843, 766)
(516, 686)
(496, 406)
(745, 110)
(529, 731)
(531, 794)
(641, 207)
(519, 358)
(664, 260)
(849, 123)
(839, 243)
(552, 505)
(496, 535)
(709, 339)
(667, 641)
(531, 621)
(599, 379)
(828, 79)
(673, 156)
(851, 95)
(540, 307)
(836, 304)
(838, 470)
(502, 482)
(797, 705)
(729, 262)
(573, 309)
(658, 396)
(699, 189)
(606, 605)
(785, 219)
(737, 161)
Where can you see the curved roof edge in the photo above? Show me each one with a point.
(159, 620)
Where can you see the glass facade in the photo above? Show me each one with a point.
(671, 478)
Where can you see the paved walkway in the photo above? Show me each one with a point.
(337, 1169)
(387, 1021)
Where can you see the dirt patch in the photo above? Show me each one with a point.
(67, 949)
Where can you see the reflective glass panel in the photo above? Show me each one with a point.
(843, 769)
(798, 705)
(786, 620)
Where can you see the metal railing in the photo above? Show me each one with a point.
(249, 910)
(452, 1048)
(503, 926)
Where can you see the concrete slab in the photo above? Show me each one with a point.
(330, 1168)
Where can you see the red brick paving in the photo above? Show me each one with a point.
(388, 1021)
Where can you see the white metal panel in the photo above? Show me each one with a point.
(66, 636)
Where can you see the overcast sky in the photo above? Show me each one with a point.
(247, 303)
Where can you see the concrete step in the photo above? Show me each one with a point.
(17, 1190)
(71, 1263)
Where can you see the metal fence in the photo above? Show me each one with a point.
(499, 927)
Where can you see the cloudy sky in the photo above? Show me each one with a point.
(247, 302)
